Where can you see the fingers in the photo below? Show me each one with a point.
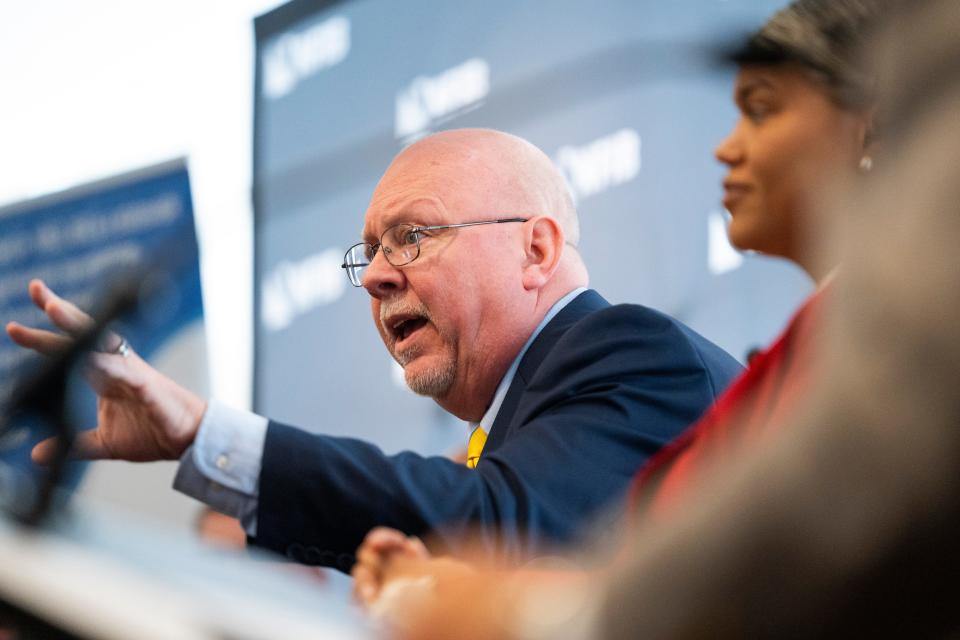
(86, 446)
(40, 340)
(381, 546)
(62, 313)
(39, 292)
(367, 577)
(383, 539)
(366, 584)
(370, 559)
(43, 452)
(416, 548)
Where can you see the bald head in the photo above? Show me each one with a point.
(514, 176)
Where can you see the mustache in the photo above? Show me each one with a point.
(404, 307)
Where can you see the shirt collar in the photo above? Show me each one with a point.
(491, 415)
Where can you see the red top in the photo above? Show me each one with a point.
(756, 403)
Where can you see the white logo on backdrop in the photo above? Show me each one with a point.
(298, 55)
(599, 165)
(431, 100)
(721, 256)
(292, 289)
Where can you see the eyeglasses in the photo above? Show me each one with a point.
(400, 245)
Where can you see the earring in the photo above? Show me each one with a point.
(866, 164)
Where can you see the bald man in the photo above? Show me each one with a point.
(477, 289)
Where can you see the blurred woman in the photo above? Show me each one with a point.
(806, 120)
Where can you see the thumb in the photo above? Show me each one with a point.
(416, 548)
(86, 446)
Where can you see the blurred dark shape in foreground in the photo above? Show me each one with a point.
(847, 525)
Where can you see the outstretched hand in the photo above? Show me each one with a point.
(142, 415)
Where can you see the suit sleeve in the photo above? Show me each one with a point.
(615, 388)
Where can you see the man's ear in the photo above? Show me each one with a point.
(543, 242)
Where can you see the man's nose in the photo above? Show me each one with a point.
(381, 278)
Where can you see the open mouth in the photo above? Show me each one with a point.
(403, 327)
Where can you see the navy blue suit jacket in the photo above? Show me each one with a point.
(598, 392)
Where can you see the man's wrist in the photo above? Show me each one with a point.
(222, 466)
(194, 408)
(228, 447)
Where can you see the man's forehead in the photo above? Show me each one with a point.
(427, 184)
(421, 209)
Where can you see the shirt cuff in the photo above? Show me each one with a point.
(222, 467)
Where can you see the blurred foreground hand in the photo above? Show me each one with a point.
(417, 596)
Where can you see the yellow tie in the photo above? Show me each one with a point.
(477, 439)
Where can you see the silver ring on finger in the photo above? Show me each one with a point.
(122, 349)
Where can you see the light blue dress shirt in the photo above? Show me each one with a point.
(222, 466)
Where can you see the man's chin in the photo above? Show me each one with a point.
(425, 380)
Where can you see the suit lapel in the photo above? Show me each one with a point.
(583, 305)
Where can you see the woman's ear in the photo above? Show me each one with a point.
(543, 242)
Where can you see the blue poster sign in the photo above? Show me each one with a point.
(82, 242)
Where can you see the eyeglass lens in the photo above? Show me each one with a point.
(356, 262)
(400, 245)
